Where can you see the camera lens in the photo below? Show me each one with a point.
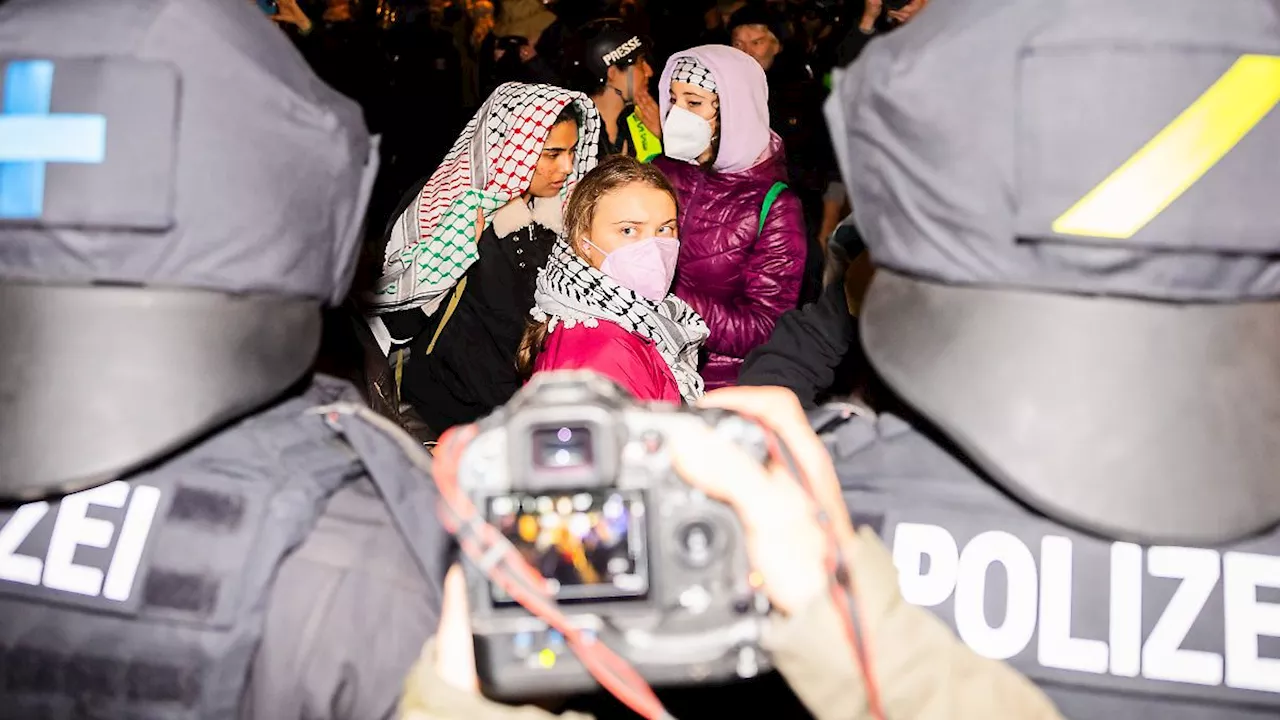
(561, 448)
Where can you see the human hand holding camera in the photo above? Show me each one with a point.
(784, 539)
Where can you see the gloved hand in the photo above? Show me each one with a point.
(835, 264)
(843, 246)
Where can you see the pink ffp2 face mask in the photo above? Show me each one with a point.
(646, 266)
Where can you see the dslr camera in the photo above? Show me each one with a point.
(578, 477)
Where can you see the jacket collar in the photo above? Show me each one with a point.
(517, 215)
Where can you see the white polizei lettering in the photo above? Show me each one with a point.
(1126, 609)
(912, 542)
(133, 539)
(1043, 600)
(1246, 619)
(1011, 636)
(1057, 649)
(74, 528)
(13, 566)
(1163, 658)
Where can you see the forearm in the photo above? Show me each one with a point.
(920, 668)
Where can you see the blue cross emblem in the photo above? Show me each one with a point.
(31, 138)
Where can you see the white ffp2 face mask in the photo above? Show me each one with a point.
(685, 136)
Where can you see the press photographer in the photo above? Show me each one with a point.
(887, 659)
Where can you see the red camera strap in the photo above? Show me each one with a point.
(840, 583)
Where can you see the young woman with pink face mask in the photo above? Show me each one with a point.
(603, 300)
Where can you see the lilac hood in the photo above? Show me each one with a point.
(744, 104)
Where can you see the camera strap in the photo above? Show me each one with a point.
(841, 584)
(486, 547)
(495, 556)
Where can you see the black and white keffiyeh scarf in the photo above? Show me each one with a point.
(570, 291)
(689, 70)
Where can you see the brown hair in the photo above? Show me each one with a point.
(613, 173)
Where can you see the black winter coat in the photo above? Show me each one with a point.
(471, 368)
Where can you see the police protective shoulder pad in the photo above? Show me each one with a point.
(1071, 204)
(179, 196)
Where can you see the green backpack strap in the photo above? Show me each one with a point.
(769, 199)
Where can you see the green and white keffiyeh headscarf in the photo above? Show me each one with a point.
(434, 242)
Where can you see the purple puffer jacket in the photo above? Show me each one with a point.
(740, 280)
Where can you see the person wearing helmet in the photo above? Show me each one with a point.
(611, 65)
(1077, 303)
(194, 525)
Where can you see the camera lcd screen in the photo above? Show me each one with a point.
(561, 448)
(590, 545)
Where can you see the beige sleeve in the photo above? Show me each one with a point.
(921, 669)
(427, 697)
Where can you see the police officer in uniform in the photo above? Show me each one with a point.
(187, 532)
(1071, 205)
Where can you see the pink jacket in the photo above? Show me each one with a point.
(628, 359)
